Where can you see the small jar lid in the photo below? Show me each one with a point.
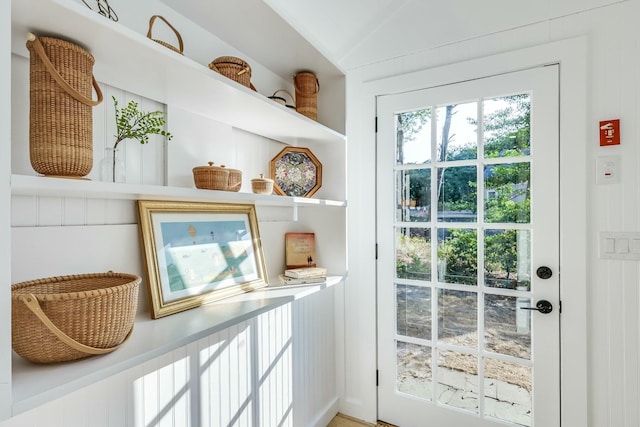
(210, 167)
(261, 179)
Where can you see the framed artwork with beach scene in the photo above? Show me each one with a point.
(196, 253)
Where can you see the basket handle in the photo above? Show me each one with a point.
(295, 83)
(39, 49)
(32, 304)
(285, 91)
(153, 19)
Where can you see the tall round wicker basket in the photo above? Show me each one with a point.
(307, 88)
(60, 116)
(66, 318)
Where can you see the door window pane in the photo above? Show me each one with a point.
(456, 187)
(507, 391)
(413, 137)
(414, 374)
(458, 256)
(458, 380)
(413, 311)
(507, 328)
(457, 132)
(507, 126)
(413, 253)
(507, 259)
(413, 195)
(457, 318)
(507, 193)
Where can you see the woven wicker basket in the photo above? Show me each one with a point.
(307, 88)
(262, 185)
(234, 68)
(211, 177)
(282, 101)
(235, 180)
(61, 117)
(179, 49)
(66, 318)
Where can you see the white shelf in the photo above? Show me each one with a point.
(130, 61)
(27, 185)
(35, 384)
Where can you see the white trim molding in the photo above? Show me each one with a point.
(359, 399)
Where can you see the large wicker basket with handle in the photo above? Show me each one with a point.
(179, 49)
(60, 116)
(66, 318)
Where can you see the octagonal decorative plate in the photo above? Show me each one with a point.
(296, 172)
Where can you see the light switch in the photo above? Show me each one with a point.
(619, 245)
(609, 245)
(622, 246)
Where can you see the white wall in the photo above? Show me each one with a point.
(5, 195)
(612, 296)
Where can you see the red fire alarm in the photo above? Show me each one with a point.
(610, 132)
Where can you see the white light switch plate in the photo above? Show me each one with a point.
(619, 245)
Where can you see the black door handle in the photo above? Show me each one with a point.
(543, 306)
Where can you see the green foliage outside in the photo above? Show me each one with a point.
(507, 134)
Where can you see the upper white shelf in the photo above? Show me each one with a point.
(27, 185)
(130, 61)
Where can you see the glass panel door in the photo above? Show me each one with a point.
(467, 179)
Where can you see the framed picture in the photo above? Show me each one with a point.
(300, 250)
(199, 252)
(296, 172)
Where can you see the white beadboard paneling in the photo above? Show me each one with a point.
(197, 140)
(50, 211)
(74, 211)
(144, 163)
(24, 211)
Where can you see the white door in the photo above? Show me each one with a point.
(468, 253)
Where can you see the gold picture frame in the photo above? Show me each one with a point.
(197, 253)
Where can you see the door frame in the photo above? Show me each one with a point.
(571, 55)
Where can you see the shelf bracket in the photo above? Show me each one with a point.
(294, 213)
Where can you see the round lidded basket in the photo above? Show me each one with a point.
(234, 68)
(235, 180)
(211, 177)
(262, 185)
(67, 318)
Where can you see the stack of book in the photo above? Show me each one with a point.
(303, 276)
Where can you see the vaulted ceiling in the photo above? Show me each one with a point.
(355, 33)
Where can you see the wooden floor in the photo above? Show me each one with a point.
(346, 421)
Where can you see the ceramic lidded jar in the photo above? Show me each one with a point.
(262, 185)
(211, 177)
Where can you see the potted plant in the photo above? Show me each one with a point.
(131, 123)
